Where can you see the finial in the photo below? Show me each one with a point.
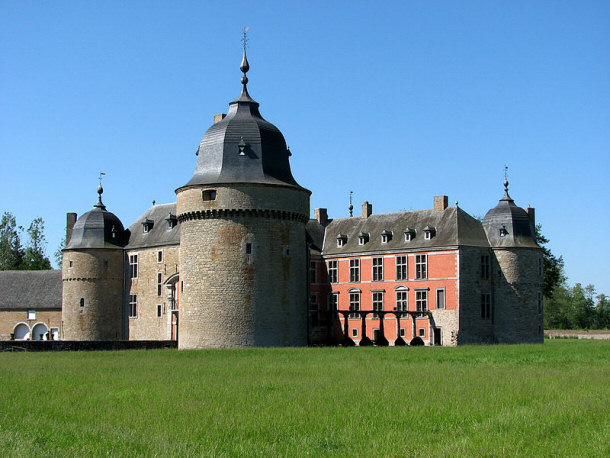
(505, 178)
(100, 191)
(244, 67)
(457, 204)
(351, 207)
(154, 202)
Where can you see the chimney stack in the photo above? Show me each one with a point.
(70, 220)
(321, 215)
(441, 202)
(531, 212)
(219, 117)
(367, 209)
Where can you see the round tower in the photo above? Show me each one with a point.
(517, 272)
(243, 264)
(92, 274)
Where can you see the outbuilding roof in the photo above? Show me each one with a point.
(30, 289)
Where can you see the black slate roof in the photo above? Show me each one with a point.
(160, 233)
(452, 227)
(315, 236)
(30, 289)
(511, 220)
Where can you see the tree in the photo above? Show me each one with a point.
(11, 251)
(602, 309)
(59, 255)
(35, 258)
(553, 265)
(583, 306)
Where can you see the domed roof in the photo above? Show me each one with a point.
(507, 225)
(97, 228)
(243, 147)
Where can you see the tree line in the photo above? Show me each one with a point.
(15, 256)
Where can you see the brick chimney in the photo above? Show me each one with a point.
(531, 212)
(70, 220)
(367, 209)
(441, 202)
(321, 214)
(219, 117)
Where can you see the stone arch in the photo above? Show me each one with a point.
(21, 331)
(39, 331)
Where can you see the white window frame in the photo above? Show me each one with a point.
(444, 304)
(377, 301)
(133, 306)
(333, 271)
(333, 302)
(377, 268)
(421, 266)
(402, 268)
(133, 265)
(421, 300)
(402, 299)
(31, 314)
(354, 270)
(354, 304)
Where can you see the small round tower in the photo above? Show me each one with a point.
(517, 272)
(92, 274)
(243, 262)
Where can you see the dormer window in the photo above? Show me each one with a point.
(113, 232)
(208, 194)
(363, 237)
(429, 232)
(341, 240)
(147, 225)
(171, 221)
(409, 234)
(503, 231)
(386, 236)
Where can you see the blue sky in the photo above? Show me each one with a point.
(395, 101)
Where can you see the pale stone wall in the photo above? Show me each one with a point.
(230, 298)
(96, 275)
(516, 315)
(147, 325)
(448, 321)
(11, 318)
(472, 328)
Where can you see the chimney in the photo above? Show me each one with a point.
(367, 209)
(70, 220)
(441, 202)
(321, 214)
(219, 117)
(531, 212)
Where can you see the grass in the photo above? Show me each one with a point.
(550, 399)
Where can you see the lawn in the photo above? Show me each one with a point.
(551, 399)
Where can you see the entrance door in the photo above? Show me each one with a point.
(437, 336)
(174, 325)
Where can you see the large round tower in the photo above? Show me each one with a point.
(92, 274)
(518, 276)
(242, 244)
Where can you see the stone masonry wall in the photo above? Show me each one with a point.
(231, 298)
(11, 318)
(95, 275)
(147, 325)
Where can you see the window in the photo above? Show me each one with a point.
(31, 314)
(354, 304)
(409, 234)
(402, 332)
(440, 298)
(333, 271)
(172, 220)
(421, 266)
(341, 240)
(503, 231)
(485, 306)
(354, 270)
(133, 266)
(248, 248)
(401, 267)
(355, 332)
(377, 302)
(71, 264)
(422, 332)
(208, 194)
(82, 301)
(377, 269)
(159, 310)
(421, 300)
(540, 267)
(485, 268)
(160, 256)
(159, 283)
(402, 304)
(133, 306)
(313, 271)
(386, 236)
(363, 237)
(539, 302)
(313, 301)
(429, 232)
(333, 301)
(147, 225)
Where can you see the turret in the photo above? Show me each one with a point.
(242, 244)
(92, 274)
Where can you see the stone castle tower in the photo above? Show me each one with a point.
(518, 272)
(93, 276)
(243, 255)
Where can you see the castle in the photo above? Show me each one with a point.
(237, 262)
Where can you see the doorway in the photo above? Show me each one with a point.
(437, 336)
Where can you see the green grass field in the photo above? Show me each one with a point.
(551, 399)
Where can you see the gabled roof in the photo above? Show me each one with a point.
(160, 234)
(30, 289)
(453, 227)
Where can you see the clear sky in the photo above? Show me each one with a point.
(395, 101)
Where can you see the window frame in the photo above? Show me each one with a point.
(444, 305)
(313, 271)
(133, 266)
(159, 256)
(402, 300)
(377, 303)
(133, 306)
(333, 271)
(485, 306)
(421, 267)
(354, 270)
(377, 268)
(402, 268)
(354, 304)
(485, 267)
(421, 300)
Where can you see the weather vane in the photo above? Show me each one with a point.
(505, 172)
(100, 177)
(351, 207)
(244, 39)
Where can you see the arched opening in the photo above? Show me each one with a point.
(22, 332)
(39, 332)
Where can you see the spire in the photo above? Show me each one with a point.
(100, 191)
(506, 195)
(351, 207)
(244, 67)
